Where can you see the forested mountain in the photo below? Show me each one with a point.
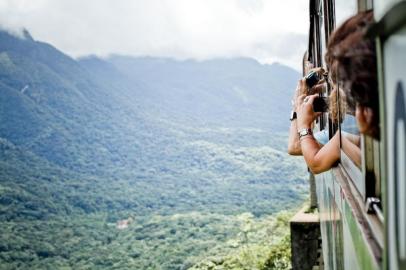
(181, 152)
(241, 91)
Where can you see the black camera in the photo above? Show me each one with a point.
(320, 104)
(312, 78)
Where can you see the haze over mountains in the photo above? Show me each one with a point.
(89, 142)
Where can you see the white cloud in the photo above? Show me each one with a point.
(268, 30)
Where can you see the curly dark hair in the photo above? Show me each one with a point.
(351, 58)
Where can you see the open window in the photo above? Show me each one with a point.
(359, 153)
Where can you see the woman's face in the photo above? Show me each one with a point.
(364, 116)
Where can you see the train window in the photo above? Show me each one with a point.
(323, 124)
(318, 55)
(350, 135)
(328, 18)
(350, 138)
(321, 16)
(352, 143)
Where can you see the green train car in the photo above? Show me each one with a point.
(362, 203)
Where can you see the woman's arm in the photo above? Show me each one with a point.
(293, 142)
(318, 158)
(354, 139)
(350, 144)
(301, 89)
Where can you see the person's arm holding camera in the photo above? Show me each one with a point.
(313, 78)
(293, 142)
(318, 158)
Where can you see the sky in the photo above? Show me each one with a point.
(267, 30)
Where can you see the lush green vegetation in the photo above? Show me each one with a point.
(199, 180)
(53, 217)
(261, 244)
(181, 241)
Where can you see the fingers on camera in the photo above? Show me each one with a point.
(318, 88)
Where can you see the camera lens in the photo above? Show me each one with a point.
(312, 78)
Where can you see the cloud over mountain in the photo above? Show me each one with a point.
(198, 29)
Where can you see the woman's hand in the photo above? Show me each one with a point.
(320, 85)
(318, 88)
(301, 89)
(305, 113)
(319, 70)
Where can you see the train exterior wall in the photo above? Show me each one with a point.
(346, 243)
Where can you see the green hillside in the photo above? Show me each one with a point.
(184, 154)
